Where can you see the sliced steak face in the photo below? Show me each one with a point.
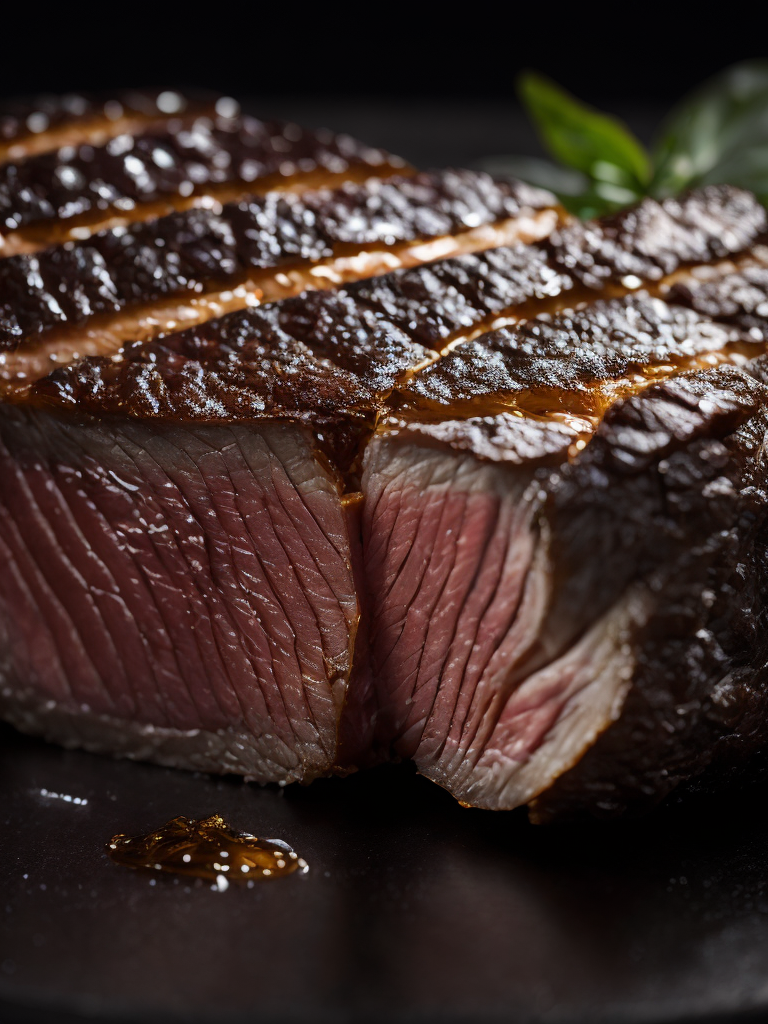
(449, 538)
(499, 655)
(133, 177)
(175, 593)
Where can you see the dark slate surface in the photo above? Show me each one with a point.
(414, 909)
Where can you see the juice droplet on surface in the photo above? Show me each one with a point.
(206, 848)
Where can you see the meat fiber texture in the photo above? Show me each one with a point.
(501, 514)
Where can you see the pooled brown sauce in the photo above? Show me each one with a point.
(208, 849)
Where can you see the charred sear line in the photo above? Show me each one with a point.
(82, 183)
(577, 362)
(437, 303)
(188, 252)
(651, 240)
(320, 357)
(45, 123)
(671, 493)
(324, 357)
(736, 293)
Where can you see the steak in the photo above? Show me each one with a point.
(501, 513)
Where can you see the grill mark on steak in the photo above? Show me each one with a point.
(406, 310)
(45, 123)
(85, 186)
(453, 300)
(735, 294)
(652, 240)
(386, 341)
(532, 643)
(577, 362)
(38, 238)
(122, 285)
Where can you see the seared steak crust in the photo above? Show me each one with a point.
(652, 239)
(176, 160)
(43, 123)
(384, 328)
(247, 366)
(189, 251)
(440, 302)
(562, 362)
(635, 247)
(670, 496)
(738, 296)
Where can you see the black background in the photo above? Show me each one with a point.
(612, 55)
(434, 83)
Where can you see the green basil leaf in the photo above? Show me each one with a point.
(596, 144)
(717, 134)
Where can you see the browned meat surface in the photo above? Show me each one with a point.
(45, 123)
(201, 250)
(479, 674)
(166, 167)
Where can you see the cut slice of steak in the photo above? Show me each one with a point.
(223, 467)
(208, 511)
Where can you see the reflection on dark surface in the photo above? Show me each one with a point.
(415, 909)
